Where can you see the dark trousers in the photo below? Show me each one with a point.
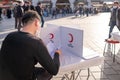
(0, 15)
(54, 15)
(18, 23)
(42, 20)
(41, 74)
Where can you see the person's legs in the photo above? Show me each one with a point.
(41, 74)
(111, 28)
(55, 16)
(19, 25)
(42, 20)
(0, 16)
(118, 26)
(16, 23)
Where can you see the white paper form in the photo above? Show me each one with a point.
(51, 48)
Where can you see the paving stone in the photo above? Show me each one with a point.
(118, 72)
(111, 63)
(107, 54)
(103, 79)
(108, 58)
(84, 73)
(114, 77)
(99, 75)
(95, 69)
(104, 65)
(116, 67)
(109, 71)
(87, 78)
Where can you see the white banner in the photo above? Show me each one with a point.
(68, 39)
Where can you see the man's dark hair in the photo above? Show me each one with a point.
(39, 3)
(116, 2)
(18, 1)
(29, 17)
(26, 2)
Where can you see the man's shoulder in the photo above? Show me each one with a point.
(37, 7)
(12, 33)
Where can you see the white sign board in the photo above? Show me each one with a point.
(51, 33)
(68, 39)
(72, 40)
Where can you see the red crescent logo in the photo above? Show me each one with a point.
(51, 35)
(71, 36)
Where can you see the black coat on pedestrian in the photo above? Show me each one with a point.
(118, 19)
(9, 12)
(39, 10)
(19, 11)
(0, 12)
(26, 8)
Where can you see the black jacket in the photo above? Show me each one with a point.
(19, 11)
(20, 52)
(39, 10)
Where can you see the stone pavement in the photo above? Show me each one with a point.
(95, 32)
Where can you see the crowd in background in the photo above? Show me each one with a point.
(52, 12)
(84, 10)
(44, 11)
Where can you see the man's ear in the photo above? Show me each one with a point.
(36, 23)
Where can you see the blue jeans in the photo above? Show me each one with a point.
(112, 25)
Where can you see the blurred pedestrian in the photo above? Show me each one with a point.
(9, 13)
(118, 18)
(0, 13)
(25, 6)
(40, 12)
(54, 13)
(113, 17)
(18, 14)
(28, 6)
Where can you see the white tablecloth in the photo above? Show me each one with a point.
(71, 62)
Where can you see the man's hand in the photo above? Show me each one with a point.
(58, 52)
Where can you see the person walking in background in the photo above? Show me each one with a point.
(15, 15)
(118, 18)
(54, 12)
(113, 17)
(25, 6)
(18, 14)
(87, 11)
(40, 12)
(28, 6)
(0, 13)
(9, 13)
(22, 50)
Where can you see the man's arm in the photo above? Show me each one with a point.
(51, 65)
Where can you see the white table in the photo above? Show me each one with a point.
(71, 63)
